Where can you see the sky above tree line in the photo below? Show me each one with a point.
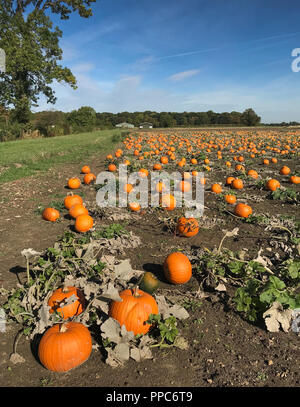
(190, 55)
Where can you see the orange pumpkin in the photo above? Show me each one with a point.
(237, 184)
(50, 214)
(127, 188)
(74, 183)
(143, 173)
(160, 187)
(65, 346)
(168, 202)
(294, 179)
(216, 188)
(85, 169)
(187, 226)
(272, 184)
(88, 178)
(184, 186)
(112, 168)
(243, 210)
(134, 206)
(229, 180)
(134, 310)
(78, 209)
(284, 170)
(71, 200)
(177, 268)
(59, 298)
(253, 174)
(231, 199)
(157, 167)
(83, 223)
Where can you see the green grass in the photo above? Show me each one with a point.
(38, 155)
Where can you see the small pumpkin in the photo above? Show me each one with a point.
(112, 168)
(294, 179)
(83, 223)
(252, 174)
(160, 187)
(134, 310)
(243, 210)
(184, 186)
(229, 180)
(231, 199)
(237, 184)
(71, 200)
(216, 188)
(168, 202)
(50, 214)
(187, 226)
(127, 188)
(284, 170)
(157, 167)
(89, 178)
(78, 209)
(177, 268)
(60, 296)
(134, 206)
(65, 346)
(74, 183)
(85, 169)
(272, 184)
(149, 283)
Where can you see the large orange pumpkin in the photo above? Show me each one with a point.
(59, 298)
(134, 310)
(65, 346)
(177, 268)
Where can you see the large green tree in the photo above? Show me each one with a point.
(31, 44)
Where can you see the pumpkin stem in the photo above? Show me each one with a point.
(62, 328)
(65, 289)
(135, 291)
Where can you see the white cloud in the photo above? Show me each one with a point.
(180, 76)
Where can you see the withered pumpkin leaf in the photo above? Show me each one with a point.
(276, 316)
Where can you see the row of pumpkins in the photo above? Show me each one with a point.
(67, 345)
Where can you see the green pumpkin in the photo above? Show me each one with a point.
(149, 283)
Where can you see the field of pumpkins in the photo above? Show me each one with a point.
(147, 296)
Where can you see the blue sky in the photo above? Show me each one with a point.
(190, 55)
